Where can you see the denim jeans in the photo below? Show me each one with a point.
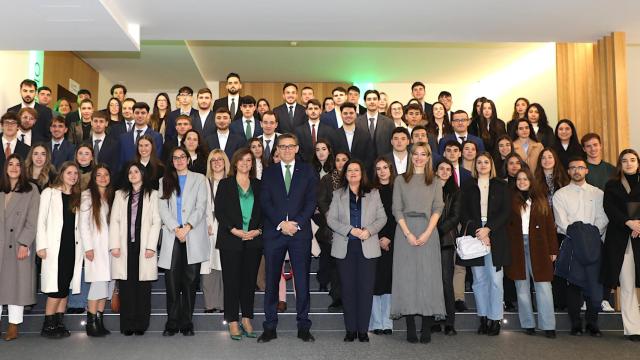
(487, 289)
(80, 300)
(380, 313)
(544, 298)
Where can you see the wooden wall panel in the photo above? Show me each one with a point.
(592, 90)
(60, 66)
(273, 91)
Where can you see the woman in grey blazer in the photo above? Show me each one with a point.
(185, 239)
(19, 202)
(356, 215)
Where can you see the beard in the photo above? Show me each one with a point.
(27, 99)
(233, 91)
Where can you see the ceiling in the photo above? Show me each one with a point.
(158, 44)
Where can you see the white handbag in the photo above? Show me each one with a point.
(470, 247)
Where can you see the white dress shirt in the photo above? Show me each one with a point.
(203, 116)
(574, 203)
(458, 136)
(27, 136)
(252, 124)
(236, 99)
(338, 116)
(12, 144)
(284, 169)
(401, 163)
(526, 214)
(456, 169)
(135, 132)
(349, 135)
(222, 139)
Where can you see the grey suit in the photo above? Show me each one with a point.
(373, 219)
(382, 135)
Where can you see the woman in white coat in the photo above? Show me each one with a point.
(58, 245)
(94, 234)
(185, 239)
(211, 270)
(133, 248)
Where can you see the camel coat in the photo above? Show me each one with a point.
(531, 157)
(18, 224)
(149, 232)
(50, 224)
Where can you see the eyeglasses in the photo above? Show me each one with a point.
(580, 168)
(179, 158)
(9, 122)
(287, 147)
(184, 94)
(459, 120)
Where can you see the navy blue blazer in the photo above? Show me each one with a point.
(282, 114)
(479, 143)
(234, 142)
(237, 127)
(298, 205)
(170, 124)
(329, 118)
(128, 146)
(40, 129)
(303, 133)
(464, 175)
(67, 152)
(110, 154)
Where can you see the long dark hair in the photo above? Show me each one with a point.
(170, 180)
(450, 185)
(543, 122)
(96, 199)
(532, 133)
(619, 174)
(328, 164)
(376, 181)
(538, 197)
(364, 187)
(23, 184)
(156, 165)
(120, 117)
(262, 160)
(201, 150)
(154, 119)
(127, 187)
(515, 114)
(573, 141)
(474, 112)
(560, 177)
(446, 124)
(492, 122)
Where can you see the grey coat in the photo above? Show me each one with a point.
(194, 212)
(18, 227)
(373, 219)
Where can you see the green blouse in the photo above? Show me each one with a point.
(246, 206)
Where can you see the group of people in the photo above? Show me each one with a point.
(106, 198)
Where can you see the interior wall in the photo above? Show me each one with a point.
(61, 66)
(272, 91)
(15, 65)
(633, 76)
(104, 91)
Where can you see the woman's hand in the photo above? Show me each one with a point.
(635, 234)
(149, 254)
(385, 243)
(424, 237)
(364, 234)
(412, 239)
(210, 228)
(89, 255)
(483, 233)
(42, 254)
(23, 252)
(115, 253)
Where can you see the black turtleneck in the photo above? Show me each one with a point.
(633, 180)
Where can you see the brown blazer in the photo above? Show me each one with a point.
(531, 158)
(542, 243)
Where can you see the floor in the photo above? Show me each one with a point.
(328, 345)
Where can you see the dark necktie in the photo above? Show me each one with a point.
(96, 148)
(291, 114)
(139, 133)
(462, 138)
(267, 150)
(313, 135)
(233, 108)
(372, 128)
(22, 138)
(129, 125)
(247, 129)
(56, 151)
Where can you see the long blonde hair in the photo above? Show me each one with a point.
(47, 167)
(428, 167)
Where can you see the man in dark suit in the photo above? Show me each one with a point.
(247, 126)
(290, 114)
(356, 141)
(353, 96)
(129, 140)
(223, 138)
(105, 147)
(334, 118)
(460, 123)
(269, 124)
(288, 200)
(61, 149)
(10, 143)
(28, 118)
(418, 91)
(231, 102)
(115, 129)
(446, 99)
(380, 127)
(185, 100)
(203, 120)
(453, 153)
(309, 132)
(75, 116)
(183, 124)
(28, 93)
(399, 156)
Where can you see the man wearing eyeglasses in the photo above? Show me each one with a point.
(288, 200)
(460, 123)
(579, 214)
(185, 101)
(10, 143)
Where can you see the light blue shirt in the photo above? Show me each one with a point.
(182, 179)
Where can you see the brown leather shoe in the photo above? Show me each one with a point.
(12, 332)
(282, 306)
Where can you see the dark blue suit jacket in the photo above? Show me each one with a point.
(40, 129)
(329, 118)
(110, 154)
(464, 175)
(298, 205)
(170, 125)
(237, 127)
(67, 152)
(469, 137)
(128, 147)
(234, 142)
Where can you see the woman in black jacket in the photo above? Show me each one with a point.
(566, 143)
(485, 216)
(538, 118)
(239, 241)
(448, 231)
(381, 323)
(621, 251)
(198, 152)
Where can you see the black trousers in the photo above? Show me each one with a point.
(324, 270)
(447, 283)
(239, 274)
(509, 287)
(574, 302)
(336, 287)
(358, 276)
(559, 285)
(181, 288)
(135, 295)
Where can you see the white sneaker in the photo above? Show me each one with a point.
(584, 306)
(606, 307)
